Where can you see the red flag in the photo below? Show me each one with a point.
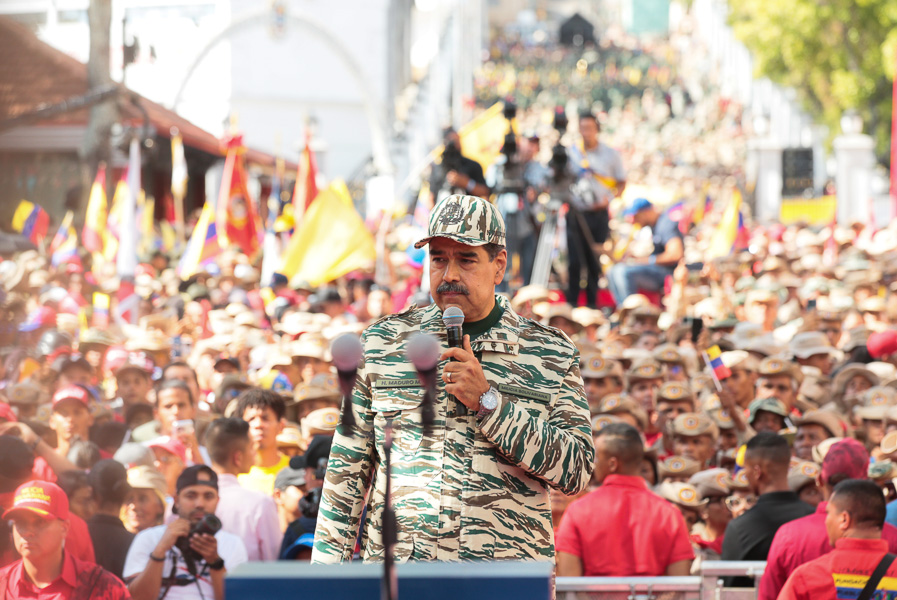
(306, 188)
(236, 217)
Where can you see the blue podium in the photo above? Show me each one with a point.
(424, 580)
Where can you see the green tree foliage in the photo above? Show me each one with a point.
(837, 54)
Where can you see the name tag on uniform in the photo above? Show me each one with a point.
(394, 384)
(524, 393)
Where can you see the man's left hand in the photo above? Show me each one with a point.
(464, 377)
(206, 546)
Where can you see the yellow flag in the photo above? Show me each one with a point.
(483, 137)
(331, 241)
(723, 239)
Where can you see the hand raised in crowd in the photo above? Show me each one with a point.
(464, 377)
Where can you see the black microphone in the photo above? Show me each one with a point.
(347, 354)
(423, 352)
(453, 317)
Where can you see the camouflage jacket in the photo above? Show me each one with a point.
(474, 488)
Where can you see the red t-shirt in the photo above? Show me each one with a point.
(799, 542)
(622, 529)
(105, 587)
(78, 540)
(841, 573)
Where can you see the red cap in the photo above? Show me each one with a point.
(7, 413)
(42, 498)
(882, 343)
(71, 392)
(115, 357)
(172, 445)
(847, 458)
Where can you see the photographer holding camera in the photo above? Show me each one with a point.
(456, 173)
(189, 557)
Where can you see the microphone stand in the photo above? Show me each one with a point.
(389, 588)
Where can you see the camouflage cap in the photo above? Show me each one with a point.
(599, 422)
(740, 359)
(777, 365)
(722, 418)
(769, 405)
(711, 482)
(693, 425)
(683, 494)
(323, 420)
(882, 469)
(595, 366)
(675, 391)
(889, 443)
(465, 219)
(678, 466)
(801, 474)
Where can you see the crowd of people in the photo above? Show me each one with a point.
(744, 409)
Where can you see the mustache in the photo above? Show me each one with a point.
(452, 288)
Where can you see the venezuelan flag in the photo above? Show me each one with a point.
(203, 244)
(31, 220)
(716, 363)
(65, 243)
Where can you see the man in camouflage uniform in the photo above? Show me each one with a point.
(476, 487)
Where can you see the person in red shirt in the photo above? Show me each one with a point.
(40, 524)
(854, 517)
(622, 529)
(805, 539)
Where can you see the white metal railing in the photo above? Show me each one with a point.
(707, 585)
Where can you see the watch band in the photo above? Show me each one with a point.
(217, 565)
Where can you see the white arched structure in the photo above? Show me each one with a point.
(373, 109)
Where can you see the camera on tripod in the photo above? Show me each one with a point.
(210, 525)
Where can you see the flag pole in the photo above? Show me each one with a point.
(716, 381)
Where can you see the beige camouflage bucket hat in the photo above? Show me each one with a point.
(465, 219)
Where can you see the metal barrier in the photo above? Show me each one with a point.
(708, 585)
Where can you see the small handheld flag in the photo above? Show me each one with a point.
(720, 371)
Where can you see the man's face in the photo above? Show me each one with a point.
(667, 411)
(777, 386)
(264, 427)
(740, 385)
(823, 362)
(185, 374)
(464, 275)
(807, 436)
(728, 439)
(717, 513)
(172, 405)
(832, 330)
(875, 431)
(644, 391)
(689, 514)
(196, 501)
(71, 418)
(596, 388)
(647, 341)
(133, 386)
(604, 463)
(38, 537)
(588, 129)
(835, 522)
(768, 421)
(74, 374)
(856, 386)
(695, 447)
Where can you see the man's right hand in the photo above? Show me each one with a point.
(175, 530)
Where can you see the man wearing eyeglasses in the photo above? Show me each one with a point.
(157, 565)
(40, 524)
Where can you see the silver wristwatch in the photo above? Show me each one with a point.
(488, 402)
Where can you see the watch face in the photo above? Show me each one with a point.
(489, 401)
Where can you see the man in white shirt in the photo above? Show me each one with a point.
(156, 563)
(248, 514)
